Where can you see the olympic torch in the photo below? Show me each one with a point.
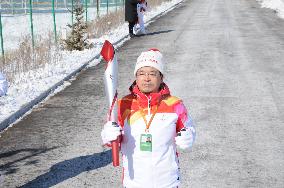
(111, 84)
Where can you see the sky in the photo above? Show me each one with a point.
(28, 86)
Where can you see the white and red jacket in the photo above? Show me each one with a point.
(159, 168)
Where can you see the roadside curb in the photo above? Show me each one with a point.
(21, 112)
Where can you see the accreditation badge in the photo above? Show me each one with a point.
(146, 142)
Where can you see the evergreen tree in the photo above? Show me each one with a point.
(77, 39)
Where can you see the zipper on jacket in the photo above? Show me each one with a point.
(149, 105)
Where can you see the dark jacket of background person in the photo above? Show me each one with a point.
(131, 10)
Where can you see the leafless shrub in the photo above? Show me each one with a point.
(27, 58)
(101, 25)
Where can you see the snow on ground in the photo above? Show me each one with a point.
(277, 5)
(30, 85)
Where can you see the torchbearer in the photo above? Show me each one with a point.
(155, 124)
(111, 129)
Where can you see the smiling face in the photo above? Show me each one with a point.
(148, 79)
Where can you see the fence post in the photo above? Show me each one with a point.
(107, 6)
(12, 4)
(54, 23)
(31, 20)
(25, 4)
(72, 10)
(2, 42)
(86, 7)
(98, 7)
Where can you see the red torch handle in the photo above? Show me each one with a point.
(115, 152)
(108, 54)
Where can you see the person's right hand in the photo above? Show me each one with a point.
(110, 132)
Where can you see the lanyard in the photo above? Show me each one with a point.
(151, 119)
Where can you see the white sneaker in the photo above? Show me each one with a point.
(135, 30)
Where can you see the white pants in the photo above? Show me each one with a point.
(141, 21)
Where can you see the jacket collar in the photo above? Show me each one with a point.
(153, 98)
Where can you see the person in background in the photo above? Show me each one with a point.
(139, 28)
(153, 123)
(3, 85)
(131, 15)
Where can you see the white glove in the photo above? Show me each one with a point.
(110, 132)
(185, 139)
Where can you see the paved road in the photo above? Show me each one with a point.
(225, 60)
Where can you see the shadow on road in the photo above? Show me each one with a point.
(155, 33)
(160, 32)
(21, 155)
(70, 168)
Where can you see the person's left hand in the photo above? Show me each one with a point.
(184, 140)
